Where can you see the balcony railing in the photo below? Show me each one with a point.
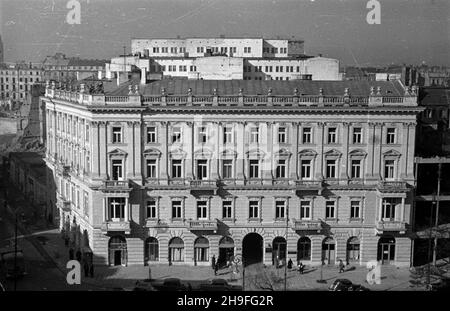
(393, 225)
(65, 205)
(116, 185)
(210, 225)
(400, 185)
(198, 183)
(116, 226)
(306, 225)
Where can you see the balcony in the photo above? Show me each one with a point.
(116, 226)
(391, 226)
(64, 205)
(392, 186)
(307, 225)
(202, 225)
(311, 185)
(115, 185)
(203, 185)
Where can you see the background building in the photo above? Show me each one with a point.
(60, 68)
(1, 51)
(178, 171)
(223, 59)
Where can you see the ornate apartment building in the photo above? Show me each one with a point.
(178, 171)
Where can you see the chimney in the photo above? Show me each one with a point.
(143, 75)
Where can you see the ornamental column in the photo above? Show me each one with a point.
(241, 156)
(345, 163)
(370, 150)
(293, 161)
(320, 158)
(103, 141)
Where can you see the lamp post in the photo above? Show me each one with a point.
(436, 223)
(430, 238)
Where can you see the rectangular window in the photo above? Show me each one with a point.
(390, 136)
(85, 203)
(202, 169)
(151, 168)
(226, 209)
(281, 169)
(253, 209)
(306, 169)
(355, 207)
(116, 134)
(307, 135)
(227, 135)
(388, 208)
(176, 135)
(117, 209)
(86, 133)
(357, 135)
(356, 169)
(282, 135)
(202, 135)
(151, 134)
(254, 169)
(330, 209)
(117, 169)
(332, 135)
(176, 210)
(331, 169)
(202, 210)
(389, 169)
(254, 135)
(280, 209)
(151, 209)
(227, 169)
(176, 169)
(305, 210)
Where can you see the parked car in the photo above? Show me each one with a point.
(345, 285)
(144, 285)
(172, 284)
(441, 285)
(219, 285)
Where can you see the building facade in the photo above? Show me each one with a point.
(178, 171)
(224, 59)
(16, 83)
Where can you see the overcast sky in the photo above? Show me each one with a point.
(411, 31)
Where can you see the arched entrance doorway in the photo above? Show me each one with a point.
(151, 250)
(328, 251)
(386, 249)
(252, 249)
(176, 250)
(117, 247)
(201, 250)
(226, 251)
(353, 247)
(304, 249)
(278, 251)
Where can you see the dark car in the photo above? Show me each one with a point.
(441, 285)
(173, 284)
(144, 285)
(219, 285)
(345, 285)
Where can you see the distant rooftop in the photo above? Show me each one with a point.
(220, 37)
(257, 87)
(434, 96)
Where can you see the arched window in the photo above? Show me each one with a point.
(304, 249)
(201, 249)
(176, 250)
(151, 249)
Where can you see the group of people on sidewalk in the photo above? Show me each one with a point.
(85, 260)
(230, 264)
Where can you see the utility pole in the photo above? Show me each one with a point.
(286, 250)
(436, 223)
(124, 59)
(15, 254)
(430, 237)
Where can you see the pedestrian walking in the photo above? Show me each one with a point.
(71, 254)
(86, 269)
(301, 267)
(149, 273)
(289, 266)
(341, 266)
(78, 256)
(213, 262)
(91, 270)
(216, 268)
